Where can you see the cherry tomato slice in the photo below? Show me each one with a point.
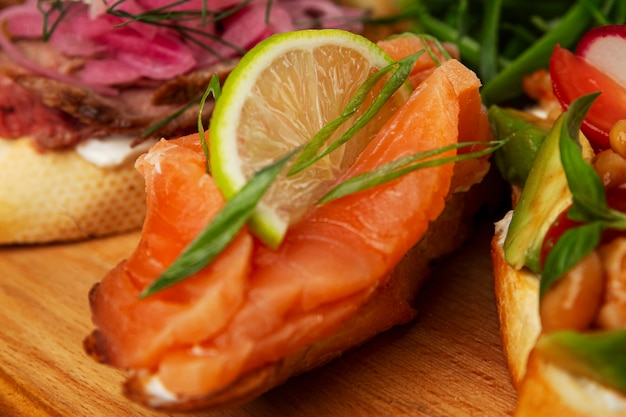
(573, 77)
(560, 225)
(616, 199)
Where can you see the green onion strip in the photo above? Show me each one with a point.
(310, 154)
(221, 230)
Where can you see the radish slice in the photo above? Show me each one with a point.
(605, 48)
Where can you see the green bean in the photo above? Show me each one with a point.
(469, 47)
(489, 50)
(507, 84)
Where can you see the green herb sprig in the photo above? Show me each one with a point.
(505, 40)
(214, 89)
(566, 32)
(396, 169)
(221, 230)
(50, 19)
(166, 16)
(162, 16)
(589, 205)
(401, 71)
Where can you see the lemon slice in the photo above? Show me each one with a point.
(279, 96)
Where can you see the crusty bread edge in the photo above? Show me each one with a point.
(544, 389)
(516, 294)
(57, 196)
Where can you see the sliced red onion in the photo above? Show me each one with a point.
(193, 5)
(19, 58)
(234, 39)
(133, 8)
(97, 8)
(254, 19)
(280, 20)
(24, 21)
(161, 58)
(79, 35)
(108, 71)
(156, 52)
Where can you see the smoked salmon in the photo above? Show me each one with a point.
(255, 315)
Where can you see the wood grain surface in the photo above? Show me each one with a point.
(448, 362)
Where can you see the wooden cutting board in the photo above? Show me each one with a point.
(446, 363)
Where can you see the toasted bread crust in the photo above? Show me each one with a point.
(548, 390)
(58, 196)
(516, 294)
(544, 389)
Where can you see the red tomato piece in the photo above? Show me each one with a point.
(560, 225)
(573, 77)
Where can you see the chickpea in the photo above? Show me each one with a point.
(572, 303)
(611, 167)
(612, 314)
(617, 137)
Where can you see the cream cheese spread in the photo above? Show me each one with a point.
(112, 152)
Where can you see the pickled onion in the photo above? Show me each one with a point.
(133, 50)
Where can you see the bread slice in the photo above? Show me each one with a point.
(544, 389)
(389, 306)
(59, 196)
(517, 303)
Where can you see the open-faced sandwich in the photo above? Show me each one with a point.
(559, 255)
(338, 169)
(85, 87)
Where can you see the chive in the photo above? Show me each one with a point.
(525, 33)
(598, 15)
(233, 216)
(506, 85)
(214, 88)
(151, 129)
(520, 38)
(489, 50)
(619, 12)
(221, 230)
(57, 5)
(310, 154)
(238, 210)
(268, 10)
(468, 47)
(396, 169)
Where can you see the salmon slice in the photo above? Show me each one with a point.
(401, 46)
(181, 198)
(253, 305)
(474, 123)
